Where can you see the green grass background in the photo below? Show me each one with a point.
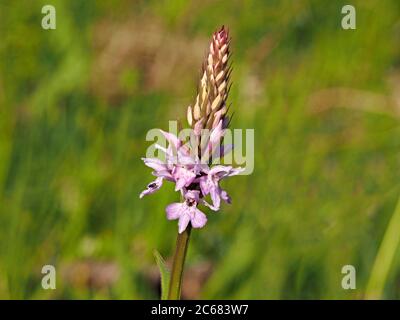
(75, 106)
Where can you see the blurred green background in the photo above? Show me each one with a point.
(76, 104)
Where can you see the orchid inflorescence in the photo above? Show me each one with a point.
(191, 164)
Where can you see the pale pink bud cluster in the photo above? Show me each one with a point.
(210, 105)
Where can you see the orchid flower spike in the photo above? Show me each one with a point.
(190, 167)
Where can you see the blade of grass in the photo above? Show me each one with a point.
(384, 258)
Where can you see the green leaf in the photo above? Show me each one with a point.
(165, 274)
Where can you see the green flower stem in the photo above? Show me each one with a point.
(175, 284)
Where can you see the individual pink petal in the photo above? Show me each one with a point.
(235, 171)
(164, 174)
(184, 150)
(205, 185)
(183, 222)
(220, 170)
(209, 205)
(157, 146)
(199, 219)
(214, 142)
(216, 134)
(185, 160)
(175, 210)
(172, 139)
(225, 196)
(215, 197)
(179, 184)
(183, 177)
(154, 163)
